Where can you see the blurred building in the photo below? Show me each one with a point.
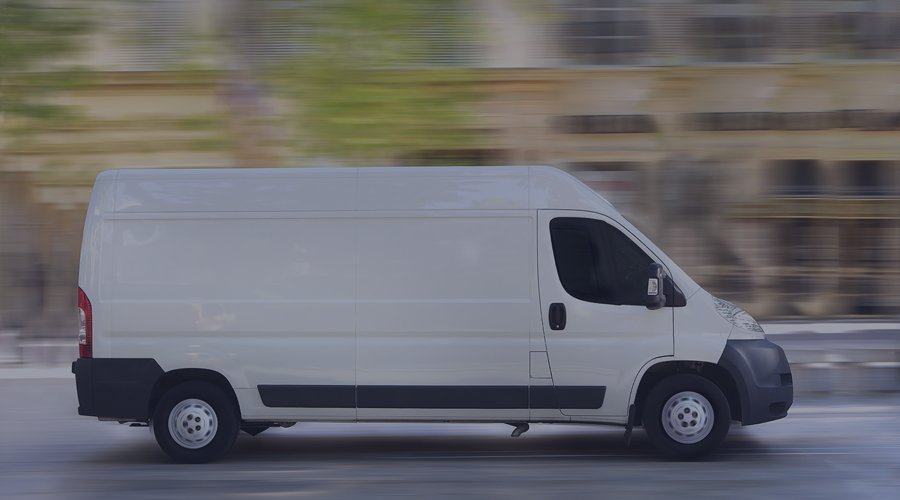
(757, 141)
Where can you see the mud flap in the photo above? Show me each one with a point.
(629, 426)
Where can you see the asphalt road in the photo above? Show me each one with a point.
(834, 447)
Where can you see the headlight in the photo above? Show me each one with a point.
(737, 316)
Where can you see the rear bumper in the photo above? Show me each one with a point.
(118, 388)
(763, 378)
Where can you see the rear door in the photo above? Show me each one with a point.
(592, 272)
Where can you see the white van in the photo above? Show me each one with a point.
(218, 300)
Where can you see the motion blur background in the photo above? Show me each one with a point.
(757, 141)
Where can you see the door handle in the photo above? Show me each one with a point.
(557, 316)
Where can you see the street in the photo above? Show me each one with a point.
(828, 447)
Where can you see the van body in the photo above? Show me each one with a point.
(219, 300)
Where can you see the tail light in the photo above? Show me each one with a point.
(85, 323)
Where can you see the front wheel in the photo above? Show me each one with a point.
(686, 416)
(195, 422)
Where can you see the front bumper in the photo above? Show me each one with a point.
(763, 378)
(119, 388)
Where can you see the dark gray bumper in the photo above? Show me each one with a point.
(763, 378)
(115, 388)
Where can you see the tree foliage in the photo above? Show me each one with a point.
(379, 79)
(35, 38)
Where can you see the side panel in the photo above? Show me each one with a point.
(444, 308)
(260, 300)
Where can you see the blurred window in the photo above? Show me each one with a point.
(277, 29)
(733, 30)
(801, 25)
(473, 156)
(606, 124)
(156, 34)
(798, 177)
(842, 29)
(597, 263)
(861, 28)
(605, 32)
(866, 178)
(866, 258)
(801, 254)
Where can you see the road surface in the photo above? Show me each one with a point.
(828, 447)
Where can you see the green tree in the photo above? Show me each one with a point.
(379, 80)
(34, 38)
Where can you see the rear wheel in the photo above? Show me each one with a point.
(686, 416)
(195, 422)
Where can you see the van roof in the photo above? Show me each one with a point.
(159, 191)
(330, 189)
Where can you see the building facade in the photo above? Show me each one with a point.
(758, 142)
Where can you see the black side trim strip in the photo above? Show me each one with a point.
(432, 396)
(543, 397)
(308, 396)
(572, 397)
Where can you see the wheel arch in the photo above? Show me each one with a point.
(713, 372)
(173, 378)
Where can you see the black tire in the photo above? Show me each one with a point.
(653, 418)
(220, 440)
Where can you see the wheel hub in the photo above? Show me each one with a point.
(193, 423)
(688, 417)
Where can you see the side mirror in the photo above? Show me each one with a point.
(655, 298)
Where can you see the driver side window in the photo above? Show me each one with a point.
(597, 263)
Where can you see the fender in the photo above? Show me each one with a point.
(640, 375)
(205, 361)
